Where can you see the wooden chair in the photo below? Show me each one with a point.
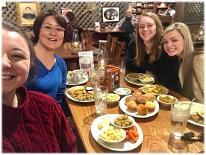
(87, 39)
(111, 42)
(115, 53)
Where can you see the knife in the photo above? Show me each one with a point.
(190, 136)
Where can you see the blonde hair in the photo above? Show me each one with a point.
(187, 54)
(155, 50)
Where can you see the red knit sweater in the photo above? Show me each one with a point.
(37, 125)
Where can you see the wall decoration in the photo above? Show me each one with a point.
(26, 13)
(3, 3)
(64, 12)
(110, 14)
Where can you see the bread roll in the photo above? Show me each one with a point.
(142, 109)
(130, 98)
(137, 93)
(141, 100)
(132, 106)
(150, 97)
(150, 106)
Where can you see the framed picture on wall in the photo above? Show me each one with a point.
(64, 12)
(27, 12)
(110, 14)
(3, 4)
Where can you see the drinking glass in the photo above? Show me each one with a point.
(179, 115)
(100, 92)
(97, 76)
(102, 57)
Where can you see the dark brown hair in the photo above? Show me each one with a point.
(156, 47)
(11, 26)
(40, 19)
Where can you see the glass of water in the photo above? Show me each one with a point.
(100, 92)
(179, 115)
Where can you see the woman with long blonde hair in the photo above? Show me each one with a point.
(177, 41)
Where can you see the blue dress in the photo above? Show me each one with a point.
(51, 82)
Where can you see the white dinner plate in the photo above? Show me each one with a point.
(84, 80)
(122, 146)
(123, 107)
(137, 83)
(73, 99)
(196, 107)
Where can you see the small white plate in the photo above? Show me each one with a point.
(122, 146)
(137, 82)
(196, 107)
(166, 104)
(84, 80)
(129, 117)
(123, 107)
(122, 91)
(111, 98)
(115, 130)
(148, 80)
(148, 88)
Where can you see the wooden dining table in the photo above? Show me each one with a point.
(156, 129)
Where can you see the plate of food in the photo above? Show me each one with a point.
(111, 98)
(139, 79)
(122, 91)
(167, 100)
(112, 135)
(141, 107)
(154, 89)
(76, 77)
(123, 121)
(102, 122)
(79, 94)
(197, 114)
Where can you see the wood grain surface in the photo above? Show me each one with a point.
(156, 129)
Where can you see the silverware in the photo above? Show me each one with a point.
(190, 136)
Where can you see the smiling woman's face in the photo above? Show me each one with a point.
(53, 38)
(15, 61)
(147, 28)
(173, 43)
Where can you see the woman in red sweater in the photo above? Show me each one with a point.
(32, 121)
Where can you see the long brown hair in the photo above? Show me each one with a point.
(156, 47)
